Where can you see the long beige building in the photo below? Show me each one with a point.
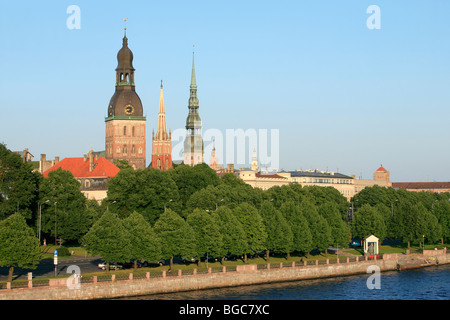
(348, 186)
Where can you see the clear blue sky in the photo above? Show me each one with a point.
(342, 96)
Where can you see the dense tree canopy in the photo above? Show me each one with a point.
(339, 231)
(302, 237)
(233, 235)
(19, 246)
(208, 239)
(176, 235)
(63, 206)
(145, 245)
(191, 179)
(368, 220)
(18, 185)
(253, 225)
(109, 238)
(318, 226)
(144, 191)
(279, 234)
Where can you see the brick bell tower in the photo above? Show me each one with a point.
(125, 123)
(161, 142)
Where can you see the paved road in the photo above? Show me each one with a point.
(46, 268)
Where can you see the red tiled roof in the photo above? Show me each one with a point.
(80, 168)
(272, 176)
(421, 185)
(381, 169)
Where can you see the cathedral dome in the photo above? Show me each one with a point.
(125, 56)
(125, 102)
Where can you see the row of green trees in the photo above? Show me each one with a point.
(222, 232)
(413, 217)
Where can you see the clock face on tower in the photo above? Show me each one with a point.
(129, 109)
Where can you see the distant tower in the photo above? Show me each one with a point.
(162, 142)
(125, 123)
(193, 143)
(381, 174)
(254, 161)
(214, 161)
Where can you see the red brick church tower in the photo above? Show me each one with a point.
(125, 123)
(162, 142)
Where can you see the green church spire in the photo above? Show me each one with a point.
(193, 82)
(193, 143)
(193, 120)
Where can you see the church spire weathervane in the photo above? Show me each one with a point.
(125, 27)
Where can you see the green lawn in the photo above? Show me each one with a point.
(76, 250)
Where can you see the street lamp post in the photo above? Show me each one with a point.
(217, 204)
(166, 203)
(40, 219)
(392, 207)
(432, 205)
(107, 206)
(55, 223)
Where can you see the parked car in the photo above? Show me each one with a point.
(130, 264)
(260, 254)
(233, 257)
(112, 266)
(188, 260)
(210, 259)
(145, 263)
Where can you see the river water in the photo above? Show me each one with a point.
(430, 283)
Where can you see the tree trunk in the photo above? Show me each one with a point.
(245, 258)
(135, 264)
(107, 266)
(288, 256)
(267, 255)
(223, 260)
(10, 274)
(171, 262)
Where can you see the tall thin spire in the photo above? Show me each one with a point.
(193, 100)
(161, 132)
(161, 142)
(193, 82)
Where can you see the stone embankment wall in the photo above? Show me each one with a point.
(244, 275)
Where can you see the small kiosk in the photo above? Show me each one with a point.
(371, 245)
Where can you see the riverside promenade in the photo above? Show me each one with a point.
(250, 274)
